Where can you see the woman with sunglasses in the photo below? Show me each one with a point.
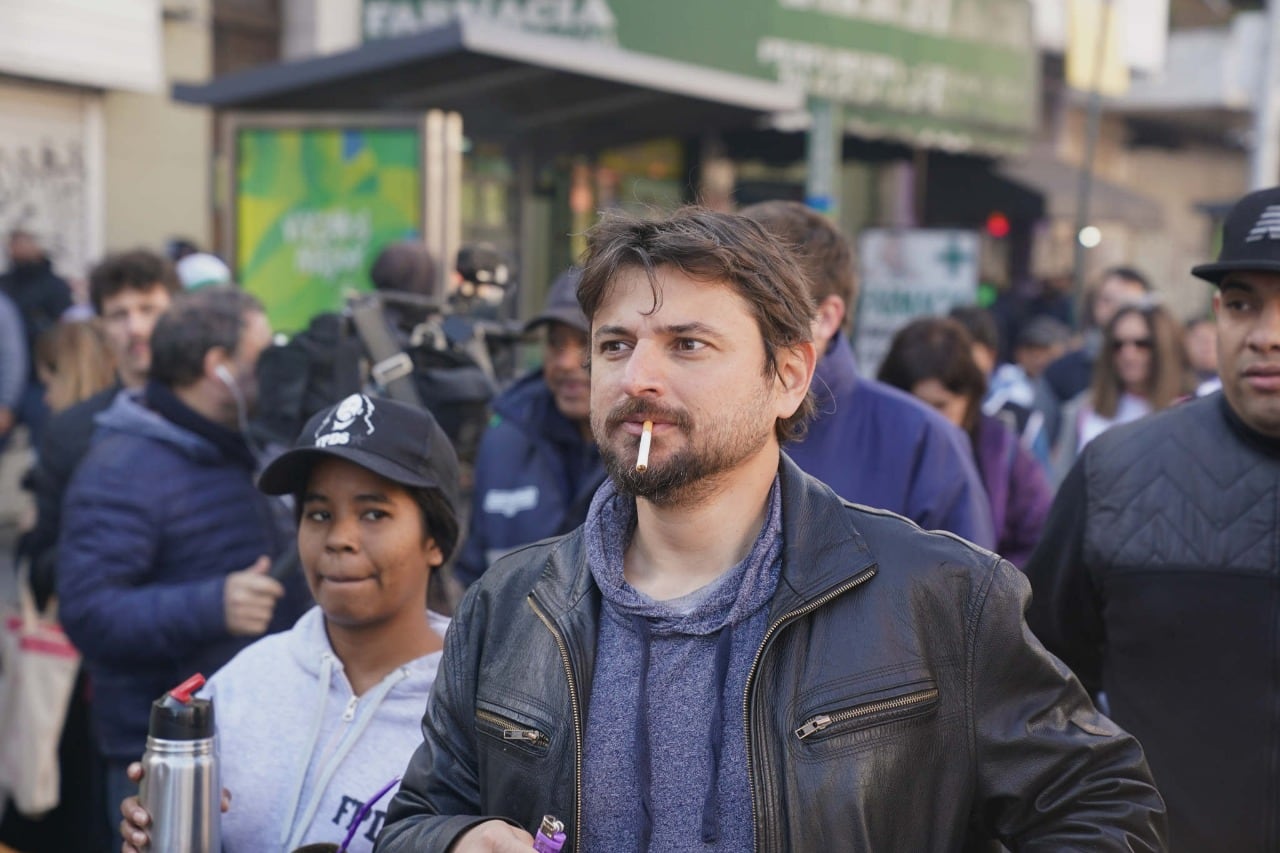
(1141, 369)
(316, 724)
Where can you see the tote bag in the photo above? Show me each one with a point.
(38, 668)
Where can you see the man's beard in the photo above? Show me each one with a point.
(685, 476)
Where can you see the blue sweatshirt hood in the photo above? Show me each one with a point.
(529, 404)
(128, 415)
(836, 373)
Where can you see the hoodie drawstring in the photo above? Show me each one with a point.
(643, 767)
(296, 825)
(715, 735)
(710, 825)
(326, 673)
(344, 746)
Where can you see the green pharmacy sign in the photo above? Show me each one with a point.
(314, 206)
(589, 19)
(947, 74)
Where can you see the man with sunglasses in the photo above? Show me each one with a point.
(1156, 578)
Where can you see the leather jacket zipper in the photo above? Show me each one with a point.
(857, 580)
(577, 719)
(822, 722)
(511, 730)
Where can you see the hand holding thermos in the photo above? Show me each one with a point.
(180, 799)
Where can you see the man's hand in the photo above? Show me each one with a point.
(493, 836)
(249, 599)
(7, 419)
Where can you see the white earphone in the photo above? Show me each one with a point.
(227, 379)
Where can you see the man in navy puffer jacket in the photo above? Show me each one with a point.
(537, 466)
(165, 543)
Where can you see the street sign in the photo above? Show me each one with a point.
(908, 273)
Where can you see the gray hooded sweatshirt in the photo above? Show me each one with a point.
(300, 753)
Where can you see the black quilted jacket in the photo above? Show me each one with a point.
(1158, 581)
(897, 703)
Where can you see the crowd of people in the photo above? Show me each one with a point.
(707, 584)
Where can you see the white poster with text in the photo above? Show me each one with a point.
(907, 273)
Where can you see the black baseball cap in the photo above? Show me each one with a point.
(1250, 238)
(481, 263)
(392, 439)
(562, 303)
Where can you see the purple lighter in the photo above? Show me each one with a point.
(550, 837)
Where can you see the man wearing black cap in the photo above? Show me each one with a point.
(1156, 579)
(537, 466)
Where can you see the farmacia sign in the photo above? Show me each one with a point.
(587, 19)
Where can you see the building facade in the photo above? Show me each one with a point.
(94, 155)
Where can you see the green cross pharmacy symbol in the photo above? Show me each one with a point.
(953, 256)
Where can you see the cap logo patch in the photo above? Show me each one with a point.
(1267, 227)
(353, 416)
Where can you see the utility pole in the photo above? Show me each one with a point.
(1264, 165)
(1093, 127)
(824, 155)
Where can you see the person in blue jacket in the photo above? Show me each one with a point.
(13, 366)
(537, 466)
(163, 555)
(872, 444)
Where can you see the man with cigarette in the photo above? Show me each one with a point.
(726, 656)
(871, 443)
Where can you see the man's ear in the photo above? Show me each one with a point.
(795, 366)
(1217, 302)
(830, 317)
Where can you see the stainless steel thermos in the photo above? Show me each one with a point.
(180, 785)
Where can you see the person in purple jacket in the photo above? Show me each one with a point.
(872, 444)
(933, 359)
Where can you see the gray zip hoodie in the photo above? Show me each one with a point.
(300, 753)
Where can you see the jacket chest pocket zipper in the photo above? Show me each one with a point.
(908, 704)
(512, 731)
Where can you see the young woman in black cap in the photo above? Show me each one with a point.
(316, 724)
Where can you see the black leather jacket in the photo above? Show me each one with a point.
(897, 702)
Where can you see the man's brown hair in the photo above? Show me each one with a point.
(136, 269)
(712, 247)
(825, 254)
(198, 321)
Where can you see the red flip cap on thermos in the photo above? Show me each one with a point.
(180, 785)
(178, 715)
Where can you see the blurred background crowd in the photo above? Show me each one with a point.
(398, 189)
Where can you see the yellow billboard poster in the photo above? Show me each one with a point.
(314, 206)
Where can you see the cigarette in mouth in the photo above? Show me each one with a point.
(646, 438)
